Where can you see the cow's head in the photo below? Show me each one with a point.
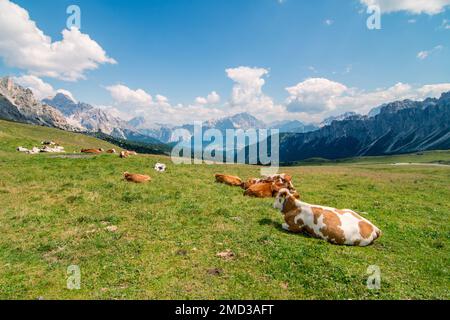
(285, 201)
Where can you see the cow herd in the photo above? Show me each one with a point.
(341, 227)
(46, 147)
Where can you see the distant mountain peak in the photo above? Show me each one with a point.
(445, 96)
(340, 117)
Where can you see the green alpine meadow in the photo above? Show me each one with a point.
(161, 240)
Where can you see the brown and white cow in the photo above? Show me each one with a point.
(136, 178)
(342, 227)
(111, 151)
(229, 180)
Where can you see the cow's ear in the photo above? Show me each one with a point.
(288, 178)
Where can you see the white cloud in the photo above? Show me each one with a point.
(67, 93)
(40, 88)
(314, 95)
(320, 97)
(248, 84)
(430, 7)
(445, 24)
(328, 22)
(212, 99)
(129, 98)
(247, 94)
(23, 45)
(422, 55)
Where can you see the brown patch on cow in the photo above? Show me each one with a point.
(250, 182)
(229, 180)
(260, 190)
(317, 212)
(332, 223)
(290, 205)
(365, 229)
(289, 217)
(332, 228)
(136, 178)
(295, 194)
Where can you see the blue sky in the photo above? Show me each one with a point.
(181, 50)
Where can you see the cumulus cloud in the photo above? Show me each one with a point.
(40, 88)
(211, 99)
(430, 7)
(320, 97)
(310, 101)
(158, 109)
(314, 95)
(126, 97)
(247, 94)
(23, 45)
(248, 84)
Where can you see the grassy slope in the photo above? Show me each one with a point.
(440, 156)
(53, 214)
(14, 134)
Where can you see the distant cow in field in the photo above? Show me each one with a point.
(342, 227)
(160, 167)
(229, 180)
(111, 151)
(136, 178)
(48, 143)
(95, 151)
(126, 154)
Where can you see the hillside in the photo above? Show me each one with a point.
(13, 134)
(55, 211)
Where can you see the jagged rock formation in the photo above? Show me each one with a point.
(18, 104)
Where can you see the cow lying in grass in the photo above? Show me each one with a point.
(266, 187)
(269, 186)
(95, 151)
(126, 154)
(229, 180)
(342, 227)
(136, 178)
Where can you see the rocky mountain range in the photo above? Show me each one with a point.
(242, 121)
(399, 127)
(87, 118)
